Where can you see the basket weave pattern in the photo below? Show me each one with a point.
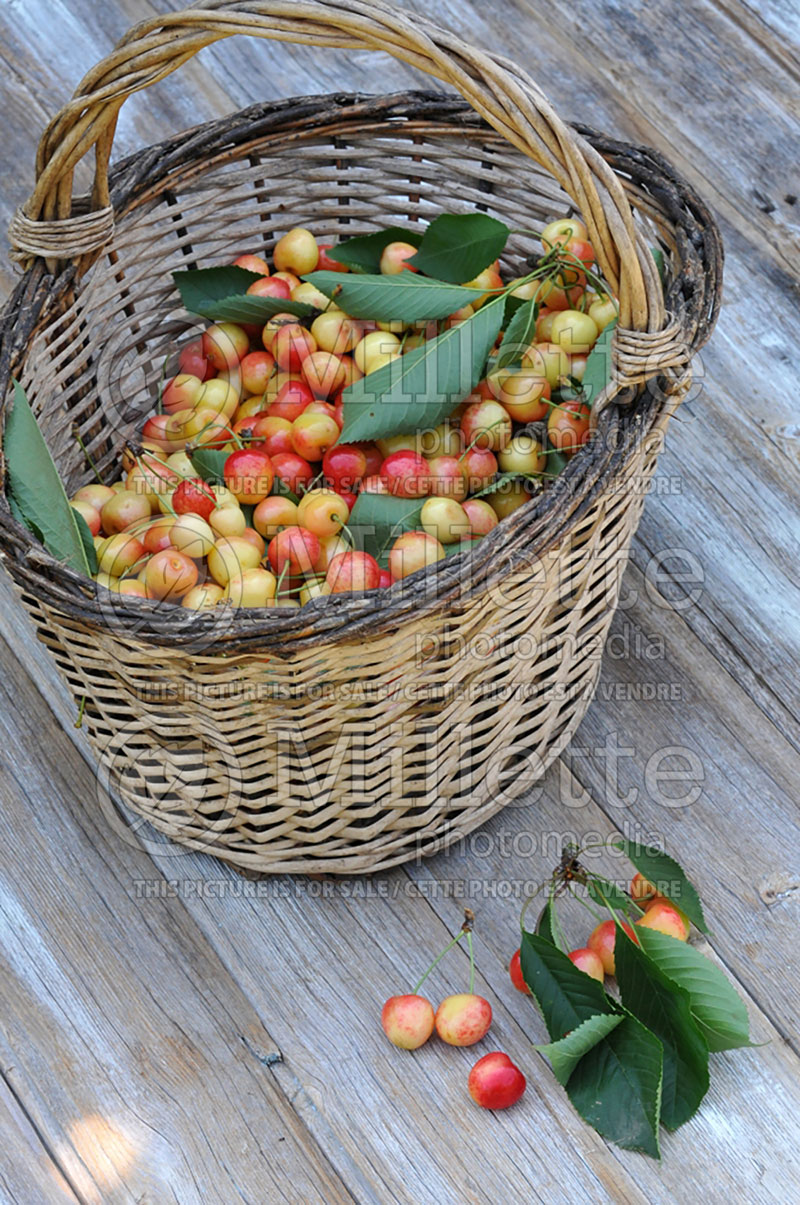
(360, 731)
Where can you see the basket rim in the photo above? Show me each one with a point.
(693, 296)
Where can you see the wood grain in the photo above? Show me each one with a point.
(117, 1016)
(27, 1170)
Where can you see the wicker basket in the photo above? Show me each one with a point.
(361, 730)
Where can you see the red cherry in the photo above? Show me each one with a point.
(193, 496)
(325, 263)
(406, 474)
(295, 547)
(353, 571)
(494, 1082)
(295, 472)
(515, 971)
(249, 474)
(345, 466)
(193, 361)
(270, 286)
(385, 580)
(374, 457)
(290, 401)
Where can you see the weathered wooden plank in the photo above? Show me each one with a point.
(28, 1173)
(734, 1147)
(135, 1054)
(732, 819)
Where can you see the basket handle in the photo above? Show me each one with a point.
(50, 225)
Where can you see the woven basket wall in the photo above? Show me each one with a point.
(360, 731)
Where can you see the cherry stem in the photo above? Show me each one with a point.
(438, 959)
(282, 575)
(597, 915)
(87, 454)
(471, 962)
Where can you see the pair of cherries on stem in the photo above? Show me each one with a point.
(460, 1020)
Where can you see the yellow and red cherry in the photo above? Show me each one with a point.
(568, 426)
(296, 252)
(169, 575)
(447, 477)
(291, 400)
(270, 286)
(414, 550)
(406, 474)
(194, 496)
(273, 514)
(407, 1021)
(313, 433)
(248, 474)
(294, 550)
(345, 466)
(192, 360)
(481, 468)
(294, 471)
(588, 961)
(252, 263)
(291, 345)
(273, 433)
(486, 424)
(515, 973)
(224, 345)
(480, 516)
(395, 257)
(353, 570)
(463, 1019)
(525, 396)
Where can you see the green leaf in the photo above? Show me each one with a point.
(209, 463)
(88, 542)
(715, 1004)
(279, 487)
(566, 996)
(658, 256)
(556, 462)
(667, 877)
(36, 488)
(520, 333)
(406, 297)
(605, 893)
(565, 1054)
(456, 247)
(597, 373)
(616, 1086)
(665, 1008)
(418, 390)
(376, 520)
(220, 294)
(544, 926)
(364, 251)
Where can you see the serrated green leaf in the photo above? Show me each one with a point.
(544, 925)
(616, 1086)
(364, 251)
(716, 1006)
(665, 1008)
(456, 247)
(520, 333)
(566, 996)
(376, 520)
(597, 373)
(406, 297)
(209, 464)
(221, 295)
(423, 386)
(36, 487)
(565, 1054)
(88, 542)
(658, 256)
(605, 893)
(667, 877)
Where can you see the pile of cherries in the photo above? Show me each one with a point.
(276, 533)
